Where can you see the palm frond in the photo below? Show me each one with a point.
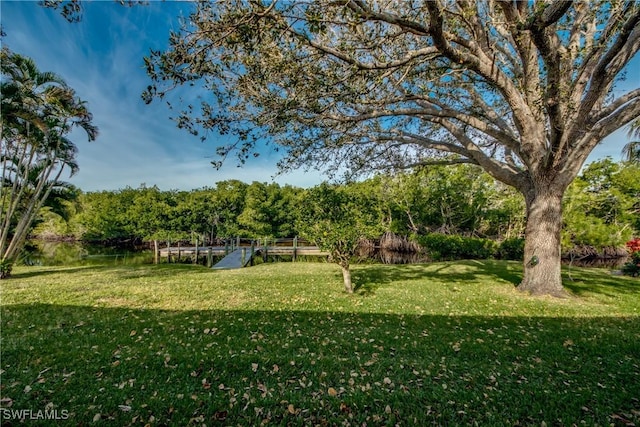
(631, 151)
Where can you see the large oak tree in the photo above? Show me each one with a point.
(522, 88)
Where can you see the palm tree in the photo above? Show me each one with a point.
(38, 110)
(631, 151)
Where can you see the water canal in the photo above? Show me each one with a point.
(55, 253)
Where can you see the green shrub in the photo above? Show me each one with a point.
(450, 247)
(512, 249)
(5, 268)
(632, 268)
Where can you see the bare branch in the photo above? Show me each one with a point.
(610, 63)
(616, 104)
(367, 13)
(412, 56)
(549, 15)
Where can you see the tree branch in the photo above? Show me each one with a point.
(429, 51)
(619, 53)
(367, 13)
(617, 103)
(500, 171)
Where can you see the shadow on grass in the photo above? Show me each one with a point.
(124, 366)
(368, 279)
(28, 272)
(579, 281)
(125, 271)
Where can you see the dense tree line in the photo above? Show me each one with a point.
(601, 208)
(231, 208)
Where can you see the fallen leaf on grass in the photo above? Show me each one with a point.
(332, 391)
(623, 420)
(263, 389)
(221, 415)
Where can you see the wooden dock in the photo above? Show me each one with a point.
(238, 254)
(236, 259)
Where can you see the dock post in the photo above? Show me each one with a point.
(226, 247)
(253, 248)
(179, 252)
(264, 251)
(244, 256)
(209, 257)
(156, 252)
(195, 260)
(295, 248)
(238, 242)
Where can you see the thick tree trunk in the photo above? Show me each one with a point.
(542, 255)
(346, 276)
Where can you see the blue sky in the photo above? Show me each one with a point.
(102, 58)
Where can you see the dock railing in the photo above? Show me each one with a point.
(290, 246)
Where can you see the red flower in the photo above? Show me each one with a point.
(634, 245)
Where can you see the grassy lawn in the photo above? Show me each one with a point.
(281, 344)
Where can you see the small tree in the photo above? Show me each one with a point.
(335, 219)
